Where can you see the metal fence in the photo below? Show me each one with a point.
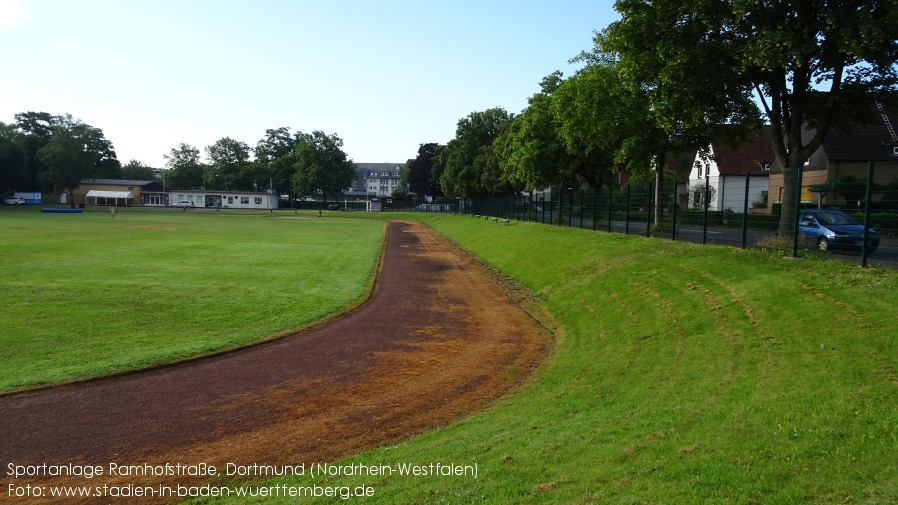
(741, 211)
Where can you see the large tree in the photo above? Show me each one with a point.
(321, 164)
(275, 151)
(815, 65)
(185, 169)
(227, 165)
(136, 170)
(77, 151)
(36, 129)
(421, 180)
(470, 159)
(13, 160)
(539, 150)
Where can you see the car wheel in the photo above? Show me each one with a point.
(823, 244)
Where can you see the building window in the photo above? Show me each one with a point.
(244, 200)
(258, 200)
(699, 170)
(765, 167)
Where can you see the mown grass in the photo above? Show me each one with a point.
(683, 374)
(87, 295)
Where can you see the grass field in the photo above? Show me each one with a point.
(683, 374)
(87, 295)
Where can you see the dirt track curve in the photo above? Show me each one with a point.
(436, 341)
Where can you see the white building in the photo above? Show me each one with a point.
(225, 199)
(376, 179)
(725, 172)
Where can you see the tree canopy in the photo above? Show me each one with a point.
(228, 160)
(275, 151)
(137, 171)
(13, 159)
(421, 179)
(469, 160)
(321, 164)
(185, 169)
(813, 65)
(76, 151)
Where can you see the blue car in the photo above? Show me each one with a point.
(833, 230)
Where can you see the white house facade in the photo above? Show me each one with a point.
(225, 199)
(724, 172)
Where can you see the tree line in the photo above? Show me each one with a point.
(297, 163)
(53, 153)
(666, 79)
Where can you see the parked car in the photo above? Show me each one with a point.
(834, 230)
(184, 204)
(14, 200)
(333, 206)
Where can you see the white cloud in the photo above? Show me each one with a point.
(11, 13)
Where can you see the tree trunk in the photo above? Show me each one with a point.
(790, 201)
(659, 178)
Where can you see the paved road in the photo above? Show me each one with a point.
(885, 255)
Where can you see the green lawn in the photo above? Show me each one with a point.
(87, 294)
(683, 374)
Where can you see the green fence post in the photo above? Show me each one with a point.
(595, 207)
(570, 210)
(649, 211)
(673, 214)
(581, 208)
(707, 205)
(610, 204)
(867, 214)
(745, 212)
(627, 214)
(797, 214)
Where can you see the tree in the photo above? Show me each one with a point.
(701, 195)
(228, 160)
(645, 118)
(321, 164)
(185, 170)
(850, 187)
(136, 171)
(815, 66)
(541, 148)
(72, 155)
(401, 189)
(13, 160)
(36, 129)
(468, 157)
(421, 180)
(276, 152)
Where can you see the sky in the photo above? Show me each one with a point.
(383, 76)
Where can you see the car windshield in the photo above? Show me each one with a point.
(835, 218)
